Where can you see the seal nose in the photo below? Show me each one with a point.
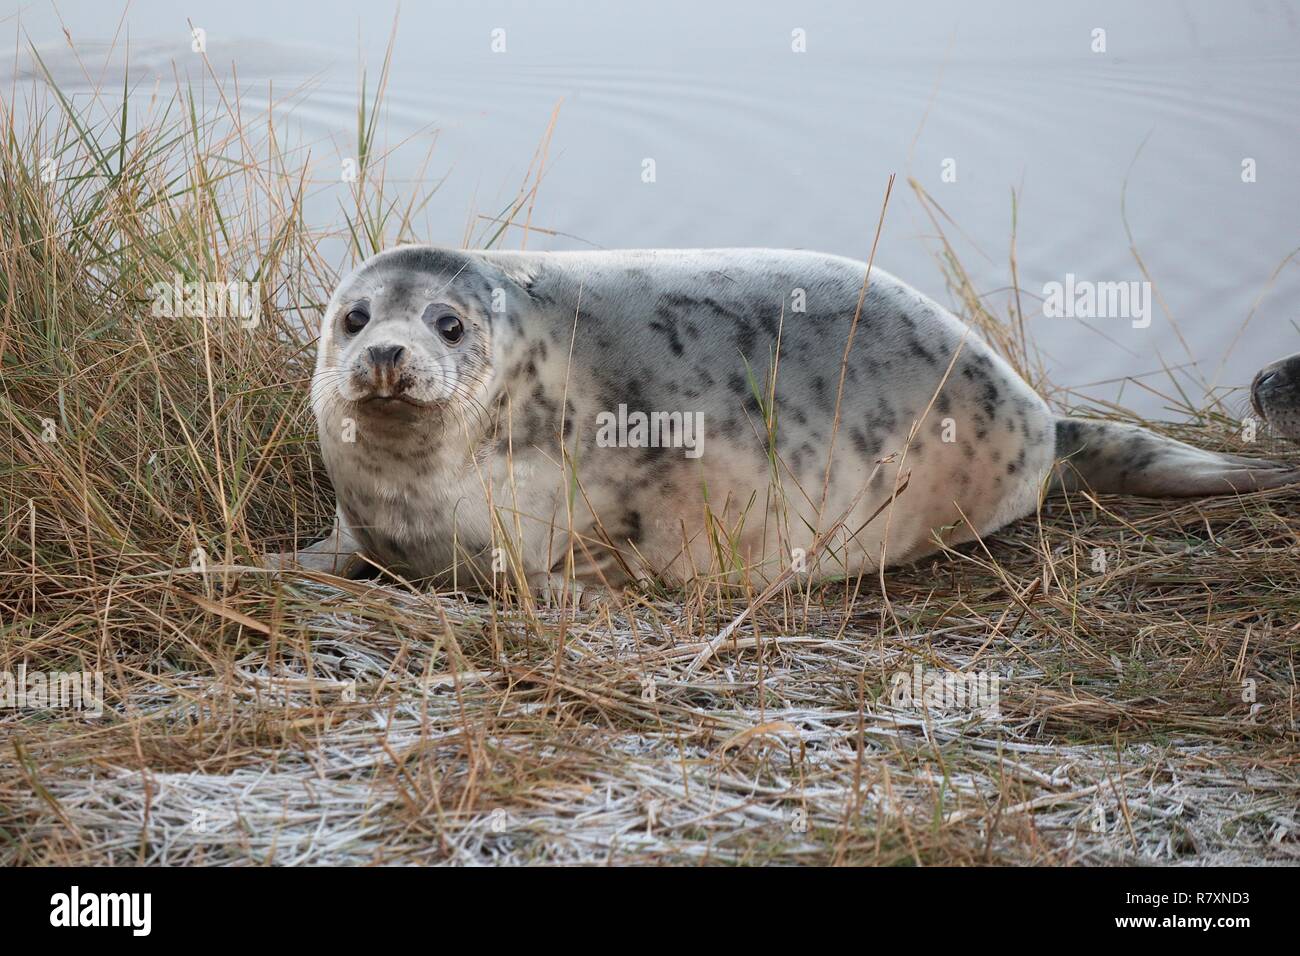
(1262, 381)
(384, 357)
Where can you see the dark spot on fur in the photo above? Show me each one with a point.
(667, 326)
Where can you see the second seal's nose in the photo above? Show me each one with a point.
(1255, 386)
(385, 356)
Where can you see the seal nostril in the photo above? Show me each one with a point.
(386, 355)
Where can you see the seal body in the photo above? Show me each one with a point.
(681, 413)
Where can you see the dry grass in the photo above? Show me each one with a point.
(259, 718)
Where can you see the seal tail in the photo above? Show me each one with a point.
(1107, 457)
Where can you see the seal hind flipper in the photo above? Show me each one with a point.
(1111, 458)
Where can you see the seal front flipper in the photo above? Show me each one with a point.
(553, 589)
(338, 554)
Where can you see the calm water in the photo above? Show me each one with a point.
(755, 144)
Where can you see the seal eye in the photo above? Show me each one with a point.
(450, 328)
(355, 321)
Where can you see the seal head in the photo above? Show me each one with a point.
(408, 336)
(1275, 396)
(405, 380)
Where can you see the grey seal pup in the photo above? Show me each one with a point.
(601, 417)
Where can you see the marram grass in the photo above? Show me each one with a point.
(1146, 651)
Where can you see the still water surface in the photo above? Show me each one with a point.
(755, 144)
